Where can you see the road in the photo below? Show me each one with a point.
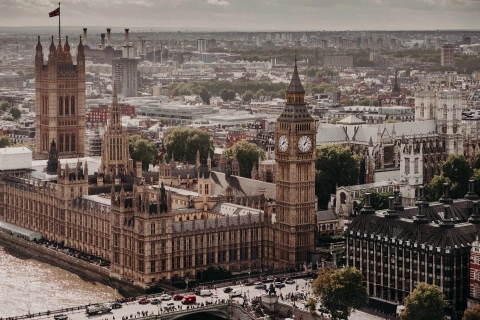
(134, 310)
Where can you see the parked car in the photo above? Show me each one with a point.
(116, 305)
(279, 284)
(165, 297)
(143, 301)
(227, 290)
(289, 281)
(154, 301)
(177, 297)
(260, 286)
(170, 304)
(60, 317)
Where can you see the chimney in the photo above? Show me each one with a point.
(127, 42)
(102, 35)
(391, 212)
(109, 43)
(85, 39)
(445, 198)
(367, 208)
(471, 195)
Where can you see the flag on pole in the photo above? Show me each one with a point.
(54, 13)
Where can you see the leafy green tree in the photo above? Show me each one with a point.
(391, 121)
(434, 189)
(334, 120)
(378, 200)
(334, 165)
(142, 150)
(4, 105)
(426, 302)
(312, 306)
(366, 102)
(472, 313)
(183, 143)
(458, 170)
(247, 155)
(341, 291)
(227, 94)
(327, 72)
(9, 118)
(215, 273)
(5, 141)
(205, 95)
(311, 72)
(15, 112)
(247, 96)
(347, 102)
(164, 120)
(260, 93)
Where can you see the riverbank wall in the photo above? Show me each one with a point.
(58, 259)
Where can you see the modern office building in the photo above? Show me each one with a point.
(448, 55)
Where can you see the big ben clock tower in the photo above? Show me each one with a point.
(295, 179)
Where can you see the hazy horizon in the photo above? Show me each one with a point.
(246, 15)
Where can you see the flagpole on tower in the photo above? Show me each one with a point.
(59, 36)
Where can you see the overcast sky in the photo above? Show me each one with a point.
(248, 14)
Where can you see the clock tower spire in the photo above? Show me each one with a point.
(295, 180)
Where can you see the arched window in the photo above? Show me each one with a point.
(422, 110)
(60, 144)
(60, 106)
(67, 101)
(72, 106)
(67, 142)
(432, 115)
(67, 108)
(72, 140)
(444, 112)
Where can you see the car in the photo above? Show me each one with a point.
(289, 281)
(60, 317)
(144, 301)
(279, 284)
(154, 301)
(261, 286)
(227, 290)
(310, 281)
(269, 279)
(177, 297)
(170, 304)
(116, 305)
(165, 297)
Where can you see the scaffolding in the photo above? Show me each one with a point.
(93, 143)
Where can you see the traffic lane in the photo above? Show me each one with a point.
(134, 308)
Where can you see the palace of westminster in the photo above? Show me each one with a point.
(152, 230)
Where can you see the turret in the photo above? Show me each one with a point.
(81, 59)
(52, 53)
(66, 50)
(38, 60)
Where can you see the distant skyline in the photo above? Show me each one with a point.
(248, 15)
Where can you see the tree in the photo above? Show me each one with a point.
(458, 170)
(4, 105)
(472, 313)
(260, 93)
(227, 94)
(164, 120)
(247, 155)
(15, 112)
(341, 291)
(378, 200)
(334, 165)
(426, 302)
(183, 144)
(327, 72)
(142, 150)
(247, 96)
(434, 189)
(391, 121)
(367, 102)
(347, 102)
(215, 273)
(5, 141)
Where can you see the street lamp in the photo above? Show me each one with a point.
(249, 271)
(186, 282)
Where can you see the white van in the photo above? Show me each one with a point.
(236, 293)
(400, 309)
(206, 292)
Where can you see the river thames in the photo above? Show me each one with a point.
(27, 285)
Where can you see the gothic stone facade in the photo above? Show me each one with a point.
(60, 101)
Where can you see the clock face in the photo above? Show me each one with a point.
(283, 143)
(305, 143)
